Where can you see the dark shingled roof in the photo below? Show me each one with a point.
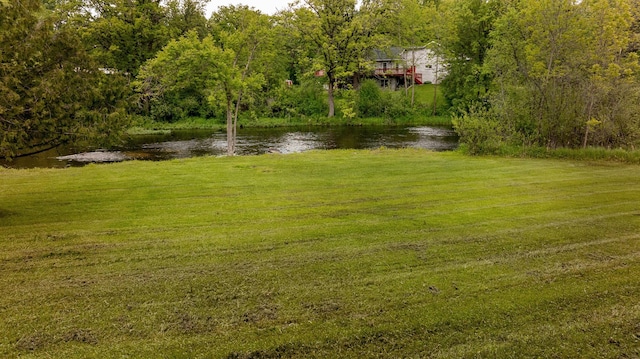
(387, 55)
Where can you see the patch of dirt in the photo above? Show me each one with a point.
(263, 312)
(4, 214)
(81, 336)
(323, 309)
(33, 342)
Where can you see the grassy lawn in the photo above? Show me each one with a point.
(424, 95)
(334, 254)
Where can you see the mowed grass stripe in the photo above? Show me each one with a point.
(386, 253)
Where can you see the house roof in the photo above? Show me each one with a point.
(391, 54)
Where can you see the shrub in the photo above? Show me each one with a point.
(369, 99)
(396, 105)
(479, 132)
(306, 99)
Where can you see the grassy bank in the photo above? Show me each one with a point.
(423, 101)
(148, 126)
(577, 154)
(324, 254)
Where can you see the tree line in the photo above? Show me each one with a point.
(545, 73)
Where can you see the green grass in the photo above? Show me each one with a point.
(581, 154)
(416, 120)
(148, 127)
(424, 95)
(423, 100)
(334, 254)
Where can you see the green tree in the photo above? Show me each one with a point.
(123, 34)
(464, 46)
(370, 100)
(410, 28)
(563, 75)
(202, 68)
(177, 82)
(186, 15)
(341, 33)
(50, 91)
(248, 34)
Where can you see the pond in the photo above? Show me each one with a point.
(250, 141)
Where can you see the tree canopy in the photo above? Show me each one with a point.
(52, 91)
(563, 74)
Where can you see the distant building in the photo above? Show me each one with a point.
(397, 66)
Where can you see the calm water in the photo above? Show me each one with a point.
(183, 144)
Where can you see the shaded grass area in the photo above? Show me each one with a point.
(582, 154)
(424, 97)
(386, 253)
(593, 154)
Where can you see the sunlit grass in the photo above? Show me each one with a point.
(386, 253)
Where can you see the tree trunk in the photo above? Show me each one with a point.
(237, 111)
(413, 76)
(230, 133)
(435, 89)
(404, 75)
(235, 122)
(332, 110)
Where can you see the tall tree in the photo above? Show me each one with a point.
(186, 15)
(50, 89)
(342, 35)
(409, 30)
(123, 34)
(206, 68)
(465, 47)
(249, 35)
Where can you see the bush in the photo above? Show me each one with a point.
(306, 99)
(396, 105)
(479, 132)
(369, 99)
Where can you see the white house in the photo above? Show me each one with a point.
(398, 65)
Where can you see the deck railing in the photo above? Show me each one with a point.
(399, 72)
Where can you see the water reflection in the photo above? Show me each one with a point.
(192, 143)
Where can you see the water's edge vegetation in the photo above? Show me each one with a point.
(145, 126)
(381, 253)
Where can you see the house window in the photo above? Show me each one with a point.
(384, 83)
(384, 66)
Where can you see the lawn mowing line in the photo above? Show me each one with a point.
(523, 272)
(569, 247)
(581, 267)
(548, 331)
(239, 195)
(432, 202)
(535, 218)
(221, 225)
(514, 256)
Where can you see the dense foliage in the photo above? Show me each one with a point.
(552, 73)
(571, 82)
(563, 74)
(51, 90)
